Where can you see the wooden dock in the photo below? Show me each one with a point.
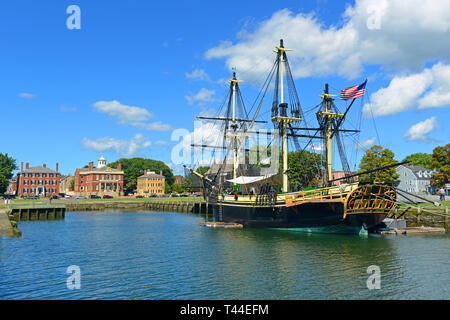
(224, 225)
(37, 211)
(412, 230)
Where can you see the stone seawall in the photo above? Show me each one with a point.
(418, 220)
(425, 217)
(8, 227)
(175, 206)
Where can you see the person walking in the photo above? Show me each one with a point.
(442, 194)
(252, 192)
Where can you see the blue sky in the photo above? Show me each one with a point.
(136, 70)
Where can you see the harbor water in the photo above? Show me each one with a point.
(163, 255)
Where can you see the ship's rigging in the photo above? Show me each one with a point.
(288, 120)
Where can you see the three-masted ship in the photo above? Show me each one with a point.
(244, 193)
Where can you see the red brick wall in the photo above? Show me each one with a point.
(29, 182)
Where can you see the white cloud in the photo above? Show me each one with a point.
(203, 96)
(316, 147)
(161, 143)
(122, 147)
(363, 145)
(26, 95)
(198, 74)
(419, 131)
(158, 126)
(396, 34)
(427, 89)
(130, 115)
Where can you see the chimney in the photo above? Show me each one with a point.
(91, 166)
(44, 165)
(21, 166)
(160, 172)
(119, 166)
(57, 167)
(27, 165)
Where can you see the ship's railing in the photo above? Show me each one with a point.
(335, 193)
(371, 198)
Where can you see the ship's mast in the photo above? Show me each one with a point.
(283, 118)
(233, 83)
(328, 117)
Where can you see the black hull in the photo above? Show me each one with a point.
(309, 216)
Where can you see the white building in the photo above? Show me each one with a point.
(414, 179)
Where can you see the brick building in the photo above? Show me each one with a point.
(178, 179)
(151, 183)
(100, 180)
(341, 174)
(40, 180)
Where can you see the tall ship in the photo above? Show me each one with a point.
(244, 188)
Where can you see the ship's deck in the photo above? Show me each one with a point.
(331, 194)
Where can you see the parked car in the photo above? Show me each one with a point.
(139, 197)
(107, 196)
(194, 195)
(184, 195)
(62, 195)
(80, 197)
(67, 196)
(31, 197)
(94, 196)
(54, 197)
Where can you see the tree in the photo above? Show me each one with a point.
(377, 157)
(177, 188)
(7, 166)
(186, 184)
(135, 167)
(440, 161)
(202, 170)
(304, 168)
(419, 159)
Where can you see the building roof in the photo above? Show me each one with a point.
(151, 175)
(102, 169)
(39, 169)
(416, 169)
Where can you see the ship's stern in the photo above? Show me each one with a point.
(368, 205)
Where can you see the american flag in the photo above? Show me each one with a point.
(353, 92)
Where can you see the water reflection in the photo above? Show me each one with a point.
(143, 255)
